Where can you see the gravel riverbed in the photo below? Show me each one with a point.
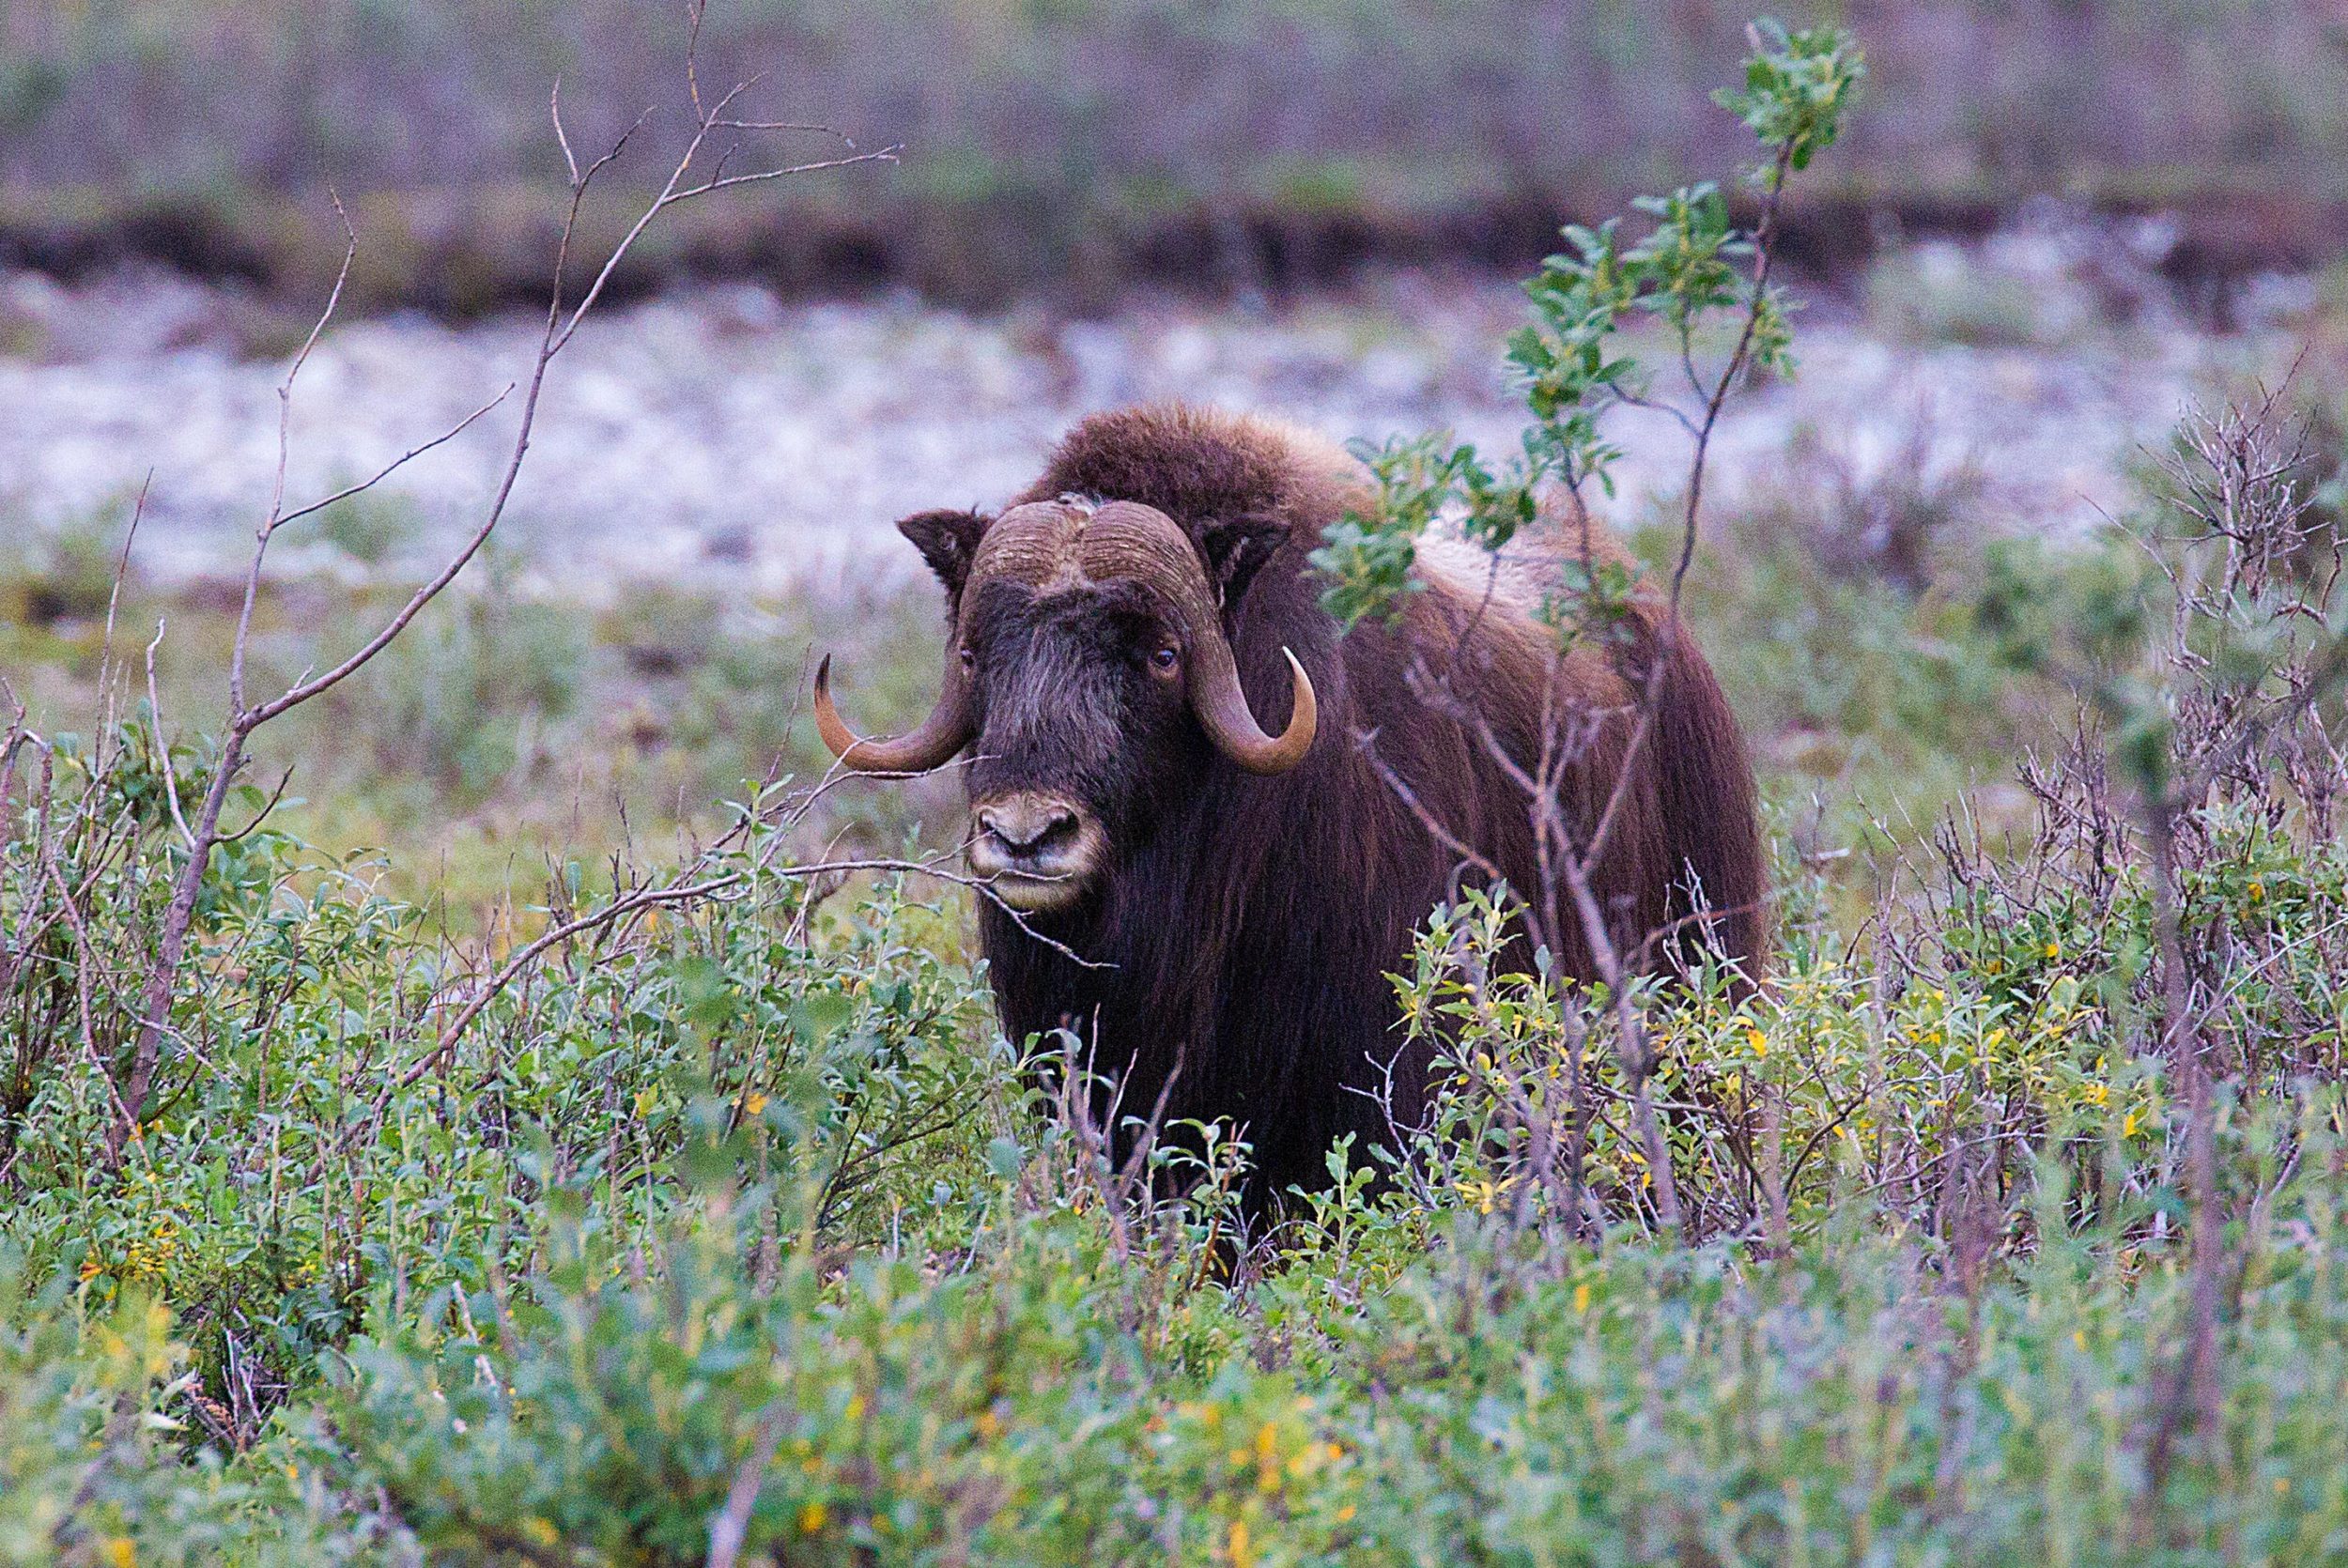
(721, 435)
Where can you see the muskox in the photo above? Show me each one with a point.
(1168, 775)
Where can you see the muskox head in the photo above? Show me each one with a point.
(1087, 663)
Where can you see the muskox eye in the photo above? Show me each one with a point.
(970, 659)
(1166, 658)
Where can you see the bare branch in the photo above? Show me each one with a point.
(396, 464)
(162, 746)
(203, 833)
(561, 137)
(732, 1523)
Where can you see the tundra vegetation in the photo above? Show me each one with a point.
(691, 1210)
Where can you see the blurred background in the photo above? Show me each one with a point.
(2052, 225)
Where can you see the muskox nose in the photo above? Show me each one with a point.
(1028, 825)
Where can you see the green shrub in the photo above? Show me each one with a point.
(1939, 293)
(67, 574)
(370, 527)
(750, 1186)
(465, 700)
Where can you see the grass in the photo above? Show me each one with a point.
(751, 1186)
(508, 729)
(511, 729)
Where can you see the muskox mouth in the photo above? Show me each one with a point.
(1035, 853)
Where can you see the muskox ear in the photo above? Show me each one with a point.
(947, 541)
(1235, 551)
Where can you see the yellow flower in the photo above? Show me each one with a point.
(1242, 1554)
(1344, 1514)
(812, 1517)
(753, 1102)
(2128, 1125)
(1581, 1297)
(2258, 891)
(120, 1551)
(2054, 949)
(2095, 1093)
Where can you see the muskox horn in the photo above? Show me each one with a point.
(947, 731)
(1222, 712)
(1137, 541)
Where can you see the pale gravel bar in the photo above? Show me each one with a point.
(720, 435)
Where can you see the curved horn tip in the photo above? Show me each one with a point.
(838, 738)
(930, 744)
(1293, 743)
(1305, 708)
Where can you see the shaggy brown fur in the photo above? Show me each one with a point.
(1251, 921)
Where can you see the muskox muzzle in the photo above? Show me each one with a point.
(1035, 852)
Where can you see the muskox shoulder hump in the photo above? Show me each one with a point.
(1206, 469)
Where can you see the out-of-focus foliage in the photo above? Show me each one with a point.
(1690, 272)
(1148, 98)
(1076, 145)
